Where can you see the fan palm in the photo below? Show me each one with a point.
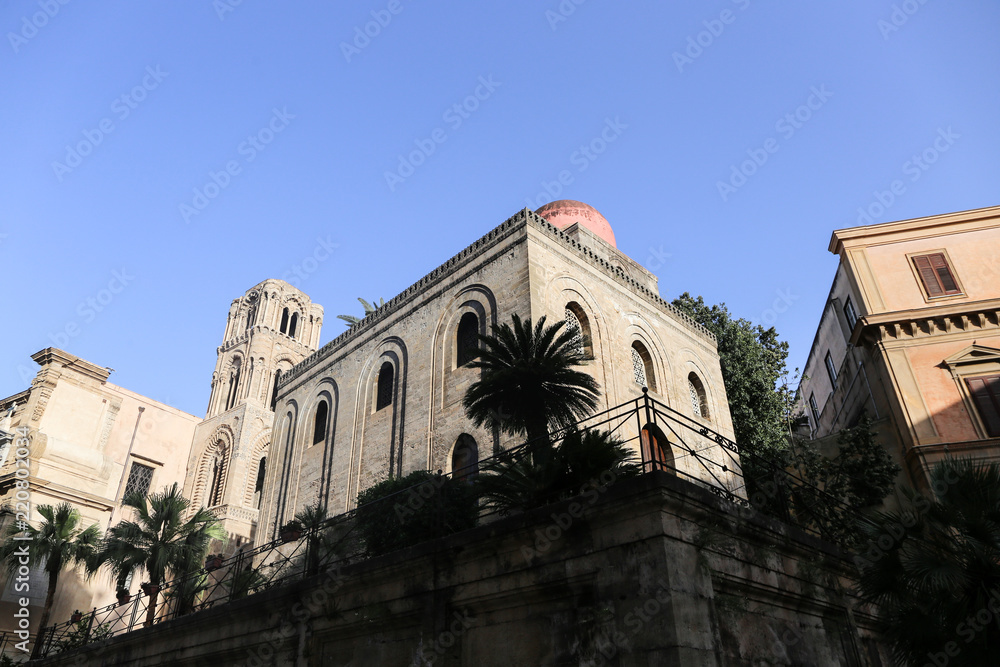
(528, 383)
(57, 542)
(159, 541)
(369, 309)
(933, 568)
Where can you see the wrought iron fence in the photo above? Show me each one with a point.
(668, 440)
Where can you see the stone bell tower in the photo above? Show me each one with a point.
(269, 329)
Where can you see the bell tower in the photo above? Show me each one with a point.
(269, 329)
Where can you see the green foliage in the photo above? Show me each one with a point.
(403, 511)
(860, 476)
(79, 636)
(519, 481)
(528, 384)
(58, 543)
(351, 320)
(934, 566)
(244, 582)
(327, 539)
(160, 540)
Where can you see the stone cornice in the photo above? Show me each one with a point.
(924, 322)
(53, 355)
(915, 228)
(518, 221)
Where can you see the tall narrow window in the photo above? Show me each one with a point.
(319, 424)
(218, 472)
(234, 383)
(936, 275)
(986, 394)
(467, 341)
(383, 393)
(274, 389)
(642, 366)
(579, 326)
(699, 399)
(573, 327)
(251, 314)
(258, 487)
(831, 370)
(284, 321)
(814, 409)
(850, 314)
(465, 458)
(293, 324)
(139, 479)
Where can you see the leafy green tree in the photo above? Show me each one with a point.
(933, 569)
(529, 383)
(351, 320)
(403, 511)
(160, 541)
(58, 542)
(859, 477)
(516, 482)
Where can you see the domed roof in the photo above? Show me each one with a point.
(563, 213)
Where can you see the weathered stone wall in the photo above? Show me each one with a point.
(653, 571)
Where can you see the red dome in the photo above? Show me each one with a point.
(563, 213)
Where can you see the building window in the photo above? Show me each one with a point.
(642, 366)
(274, 389)
(284, 321)
(573, 327)
(936, 275)
(258, 487)
(251, 315)
(139, 479)
(465, 458)
(814, 408)
(234, 383)
(831, 370)
(577, 323)
(467, 340)
(986, 395)
(319, 424)
(852, 317)
(655, 450)
(699, 400)
(218, 470)
(383, 393)
(293, 324)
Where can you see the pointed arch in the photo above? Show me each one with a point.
(699, 399)
(293, 324)
(284, 321)
(466, 339)
(642, 366)
(578, 322)
(465, 458)
(656, 452)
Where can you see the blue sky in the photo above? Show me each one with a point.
(161, 158)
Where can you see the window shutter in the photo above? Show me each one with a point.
(943, 271)
(928, 276)
(986, 394)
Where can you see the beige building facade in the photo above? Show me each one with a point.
(385, 397)
(910, 335)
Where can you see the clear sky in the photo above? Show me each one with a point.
(161, 158)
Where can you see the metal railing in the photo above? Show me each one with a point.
(668, 441)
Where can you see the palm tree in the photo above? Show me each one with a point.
(159, 541)
(934, 567)
(528, 383)
(57, 542)
(369, 309)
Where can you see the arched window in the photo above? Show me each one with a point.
(319, 424)
(258, 487)
(383, 393)
(577, 322)
(274, 389)
(699, 401)
(656, 454)
(465, 458)
(217, 473)
(284, 321)
(294, 323)
(642, 366)
(251, 315)
(466, 341)
(234, 382)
